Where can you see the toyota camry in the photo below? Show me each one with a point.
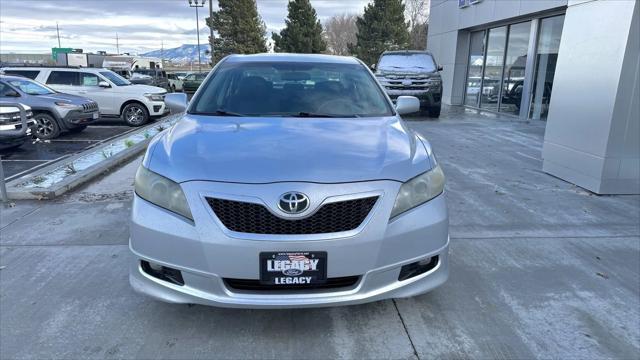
(290, 181)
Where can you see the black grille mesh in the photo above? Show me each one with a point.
(256, 219)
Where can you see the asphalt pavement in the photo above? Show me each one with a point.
(539, 269)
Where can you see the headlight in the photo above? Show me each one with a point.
(419, 190)
(64, 104)
(161, 191)
(155, 97)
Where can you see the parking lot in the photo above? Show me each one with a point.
(539, 269)
(37, 154)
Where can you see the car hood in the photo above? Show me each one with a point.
(265, 150)
(63, 97)
(141, 89)
(407, 72)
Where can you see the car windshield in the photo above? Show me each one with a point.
(409, 61)
(31, 87)
(115, 78)
(297, 89)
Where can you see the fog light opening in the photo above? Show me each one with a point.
(416, 268)
(162, 272)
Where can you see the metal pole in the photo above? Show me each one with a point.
(198, 32)
(211, 28)
(3, 186)
(117, 44)
(58, 31)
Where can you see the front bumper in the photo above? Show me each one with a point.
(79, 117)
(8, 141)
(207, 253)
(157, 108)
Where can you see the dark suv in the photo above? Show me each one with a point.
(413, 73)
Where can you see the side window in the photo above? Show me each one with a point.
(4, 89)
(190, 77)
(31, 74)
(87, 79)
(63, 78)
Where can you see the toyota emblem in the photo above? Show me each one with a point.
(293, 202)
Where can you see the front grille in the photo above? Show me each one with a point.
(255, 285)
(257, 219)
(90, 107)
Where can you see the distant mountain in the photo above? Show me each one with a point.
(182, 55)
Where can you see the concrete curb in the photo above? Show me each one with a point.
(17, 192)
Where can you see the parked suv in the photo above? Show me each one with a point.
(413, 73)
(158, 77)
(54, 112)
(11, 124)
(115, 95)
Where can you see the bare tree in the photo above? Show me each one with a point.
(340, 31)
(417, 12)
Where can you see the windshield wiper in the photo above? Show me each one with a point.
(317, 115)
(221, 112)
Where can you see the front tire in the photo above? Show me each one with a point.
(135, 114)
(47, 127)
(434, 112)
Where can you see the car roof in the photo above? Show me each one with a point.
(13, 77)
(286, 57)
(53, 68)
(405, 52)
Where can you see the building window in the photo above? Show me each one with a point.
(474, 75)
(514, 68)
(545, 68)
(506, 64)
(494, 61)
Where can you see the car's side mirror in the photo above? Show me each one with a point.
(104, 84)
(407, 105)
(373, 67)
(440, 68)
(177, 102)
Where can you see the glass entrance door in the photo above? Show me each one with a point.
(474, 74)
(514, 68)
(494, 61)
(545, 68)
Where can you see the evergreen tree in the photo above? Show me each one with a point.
(303, 31)
(240, 29)
(381, 27)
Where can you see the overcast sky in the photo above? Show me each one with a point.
(29, 26)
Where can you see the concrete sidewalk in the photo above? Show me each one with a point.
(539, 269)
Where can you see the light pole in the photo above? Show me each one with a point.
(197, 4)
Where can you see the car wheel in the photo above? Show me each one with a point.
(434, 112)
(78, 129)
(135, 114)
(46, 126)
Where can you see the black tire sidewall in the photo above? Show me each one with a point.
(56, 127)
(144, 110)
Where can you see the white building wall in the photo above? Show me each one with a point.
(593, 128)
(592, 137)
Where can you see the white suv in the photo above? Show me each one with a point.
(115, 96)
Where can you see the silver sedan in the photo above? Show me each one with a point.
(290, 181)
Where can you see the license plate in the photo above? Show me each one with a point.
(96, 115)
(293, 268)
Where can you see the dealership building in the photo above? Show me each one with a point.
(574, 64)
